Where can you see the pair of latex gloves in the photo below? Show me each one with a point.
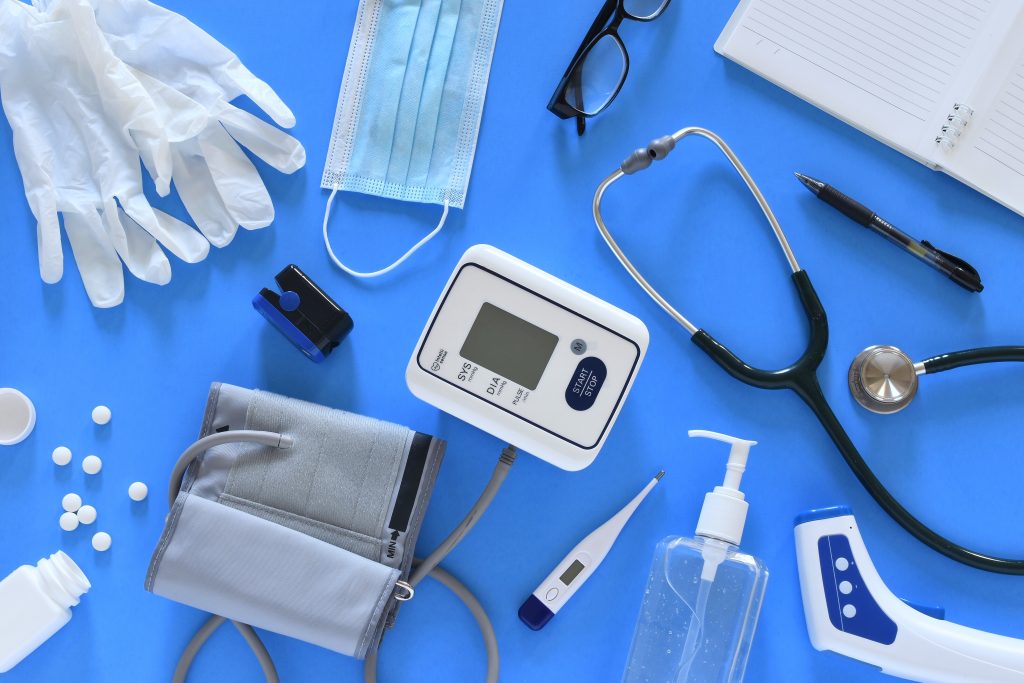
(90, 88)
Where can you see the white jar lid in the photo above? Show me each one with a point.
(17, 417)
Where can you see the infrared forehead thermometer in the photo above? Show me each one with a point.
(850, 611)
(527, 357)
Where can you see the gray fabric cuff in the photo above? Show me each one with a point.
(306, 541)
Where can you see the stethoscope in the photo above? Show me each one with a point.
(883, 378)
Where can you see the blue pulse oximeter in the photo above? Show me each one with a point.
(304, 314)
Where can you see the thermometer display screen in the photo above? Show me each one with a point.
(572, 572)
(509, 346)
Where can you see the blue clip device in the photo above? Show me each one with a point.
(304, 314)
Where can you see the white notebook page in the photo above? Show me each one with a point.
(888, 67)
(1001, 136)
(990, 154)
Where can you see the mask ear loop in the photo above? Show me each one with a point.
(388, 269)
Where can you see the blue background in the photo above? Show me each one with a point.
(953, 457)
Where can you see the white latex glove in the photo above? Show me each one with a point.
(80, 121)
(218, 184)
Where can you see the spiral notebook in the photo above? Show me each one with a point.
(939, 80)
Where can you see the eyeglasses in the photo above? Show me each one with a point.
(597, 72)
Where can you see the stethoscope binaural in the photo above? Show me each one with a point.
(882, 378)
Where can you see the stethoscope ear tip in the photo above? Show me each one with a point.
(883, 379)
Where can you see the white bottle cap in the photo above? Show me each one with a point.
(725, 511)
(17, 417)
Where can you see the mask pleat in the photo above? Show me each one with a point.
(411, 99)
(379, 118)
(413, 84)
(428, 118)
(453, 110)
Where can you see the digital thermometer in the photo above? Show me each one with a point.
(574, 570)
(850, 610)
(527, 357)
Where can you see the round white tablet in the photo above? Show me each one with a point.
(69, 521)
(101, 415)
(92, 464)
(87, 514)
(138, 491)
(71, 502)
(101, 541)
(61, 455)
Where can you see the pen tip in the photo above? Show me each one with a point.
(810, 183)
(659, 475)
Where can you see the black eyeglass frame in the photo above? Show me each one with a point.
(607, 23)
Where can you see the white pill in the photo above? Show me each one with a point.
(71, 502)
(101, 541)
(101, 415)
(138, 491)
(61, 455)
(69, 521)
(87, 514)
(92, 464)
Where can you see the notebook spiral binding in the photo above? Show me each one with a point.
(954, 127)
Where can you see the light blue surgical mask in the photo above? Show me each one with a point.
(410, 105)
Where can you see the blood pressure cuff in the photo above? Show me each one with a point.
(307, 541)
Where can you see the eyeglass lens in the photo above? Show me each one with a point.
(644, 9)
(598, 76)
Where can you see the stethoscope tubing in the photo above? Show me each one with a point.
(959, 359)
(801, 377)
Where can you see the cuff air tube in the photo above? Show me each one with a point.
(308, 541)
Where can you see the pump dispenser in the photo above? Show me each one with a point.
(703, 595)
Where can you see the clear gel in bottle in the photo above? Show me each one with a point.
(703, 596)
(35, 603)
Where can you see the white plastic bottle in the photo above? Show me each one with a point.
(35, 602)
(703, 596)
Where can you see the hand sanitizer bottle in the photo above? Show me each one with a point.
(703, 596)
(35, 603)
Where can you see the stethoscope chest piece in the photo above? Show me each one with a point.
(883, 379)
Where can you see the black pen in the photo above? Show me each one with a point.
(958, 270)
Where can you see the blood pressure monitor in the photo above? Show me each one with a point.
(527, 357)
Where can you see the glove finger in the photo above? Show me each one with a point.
(237, 181)
(138, 249)
(199, 194)
(51, 252)
(124, 97)
(96, 258)
(260, 93)
(274, 146)
(180, 239)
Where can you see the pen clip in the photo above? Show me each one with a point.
(955, 259)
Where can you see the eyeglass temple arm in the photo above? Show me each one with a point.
(577, 88)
